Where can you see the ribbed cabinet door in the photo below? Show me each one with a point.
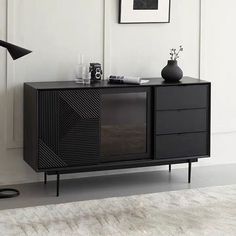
(69, 128)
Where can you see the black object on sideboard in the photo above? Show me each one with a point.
(72, 128)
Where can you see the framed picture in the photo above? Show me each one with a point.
(144, 11)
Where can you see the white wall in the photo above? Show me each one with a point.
(218, 61)
(57, 30)
(143, 49)
(218, 37)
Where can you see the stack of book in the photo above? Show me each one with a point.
(113, 79)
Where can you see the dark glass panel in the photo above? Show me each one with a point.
(124, 124)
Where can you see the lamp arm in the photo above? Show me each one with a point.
(3, 43)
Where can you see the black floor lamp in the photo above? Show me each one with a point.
(15, 52)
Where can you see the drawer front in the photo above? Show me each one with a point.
(181, 121)
(181, 97)
(182, 145)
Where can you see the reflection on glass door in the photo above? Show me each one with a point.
(124, 125)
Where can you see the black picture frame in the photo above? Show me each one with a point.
(143, 22)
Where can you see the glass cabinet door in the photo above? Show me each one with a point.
(125, 124)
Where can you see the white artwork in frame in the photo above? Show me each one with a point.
(144, 11)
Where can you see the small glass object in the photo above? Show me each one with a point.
(87, 77)
(80, 72)
(80, 69)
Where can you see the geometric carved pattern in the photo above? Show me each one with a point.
(48, 119)
(80, 145)
(48, 159)
(83, 102)
(69, 128)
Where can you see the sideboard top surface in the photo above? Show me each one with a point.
(105, 84)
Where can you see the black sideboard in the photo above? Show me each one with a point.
(71, 128)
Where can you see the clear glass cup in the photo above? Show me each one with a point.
(87, 77)
(80, 73)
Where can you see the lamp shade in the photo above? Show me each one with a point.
(15, 51)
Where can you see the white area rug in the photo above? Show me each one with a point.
(205, 211)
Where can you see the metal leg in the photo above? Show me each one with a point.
(45, 177)
(58, 184)
(169, 168)
(189, 171)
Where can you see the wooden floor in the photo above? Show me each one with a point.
(120, 185)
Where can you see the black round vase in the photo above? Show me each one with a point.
(172, 72)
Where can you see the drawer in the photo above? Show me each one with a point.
(181, 121)
(182, 145)
(181, 97)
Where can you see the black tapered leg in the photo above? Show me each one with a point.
(169, 168)
(189, 171)
(45, 177)
(58, 184)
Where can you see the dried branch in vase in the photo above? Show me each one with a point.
(174, 54)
